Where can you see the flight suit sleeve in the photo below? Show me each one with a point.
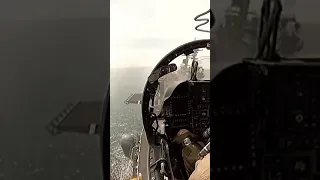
(202, 169)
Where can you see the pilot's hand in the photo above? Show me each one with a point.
(191, 148)
(182, 131)
(182, 134)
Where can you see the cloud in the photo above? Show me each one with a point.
(143, 31)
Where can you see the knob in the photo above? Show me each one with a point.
(299, 118)
(300, 166)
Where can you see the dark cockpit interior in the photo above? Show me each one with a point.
(265, 121)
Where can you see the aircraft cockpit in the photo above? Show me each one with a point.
(175, 99)
(182, 97)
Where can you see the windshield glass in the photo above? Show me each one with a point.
(184, 63)
(297, 35)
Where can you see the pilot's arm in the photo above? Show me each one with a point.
(202, 169)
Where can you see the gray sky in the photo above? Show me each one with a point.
(143, 31)
(140, 33)
(52, 9)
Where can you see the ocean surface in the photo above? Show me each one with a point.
(124, 119)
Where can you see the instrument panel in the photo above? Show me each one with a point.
(200, 103)
(273, 132)
(293, 114)
(188, 106)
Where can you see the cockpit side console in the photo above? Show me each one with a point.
(266, 122)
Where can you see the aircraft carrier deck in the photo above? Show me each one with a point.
(144, 155)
